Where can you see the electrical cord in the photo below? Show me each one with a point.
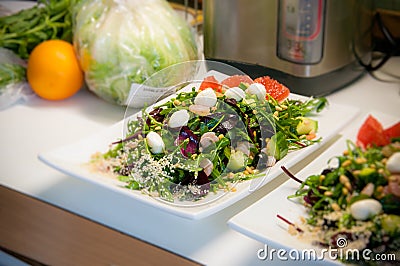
(394, 49)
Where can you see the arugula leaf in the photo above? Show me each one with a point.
(278, 146)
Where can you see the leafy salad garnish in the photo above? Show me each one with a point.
(203, 141)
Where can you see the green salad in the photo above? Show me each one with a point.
(356, 204)
(203, 141)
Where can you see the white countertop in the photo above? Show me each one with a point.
(31, 127)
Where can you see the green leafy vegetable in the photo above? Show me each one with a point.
(48, 19)
(11, 73)
(125, 42)
(278, 146)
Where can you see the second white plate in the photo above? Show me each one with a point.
(260, 222)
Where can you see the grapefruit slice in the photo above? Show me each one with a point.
(275, 89)
(371, 133)
(235, 80)
(211, 82)
(392, 131)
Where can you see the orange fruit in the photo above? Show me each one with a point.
(53, 70)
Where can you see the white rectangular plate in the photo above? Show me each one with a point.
(71, 160)
(260, 222)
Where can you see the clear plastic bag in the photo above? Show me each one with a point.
(13, 84)
(121, 42)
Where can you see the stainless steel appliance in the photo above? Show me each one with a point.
(312, 46)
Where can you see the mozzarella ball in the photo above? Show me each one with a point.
(206, 97)
(258, 90)
(235, 93)
(364, 209)
(155, 142)
(178, 119)
(393, 163)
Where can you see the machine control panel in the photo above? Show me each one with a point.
(300, 30)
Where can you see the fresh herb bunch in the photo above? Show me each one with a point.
(48, 19)
(361, 174)
(247, 136)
